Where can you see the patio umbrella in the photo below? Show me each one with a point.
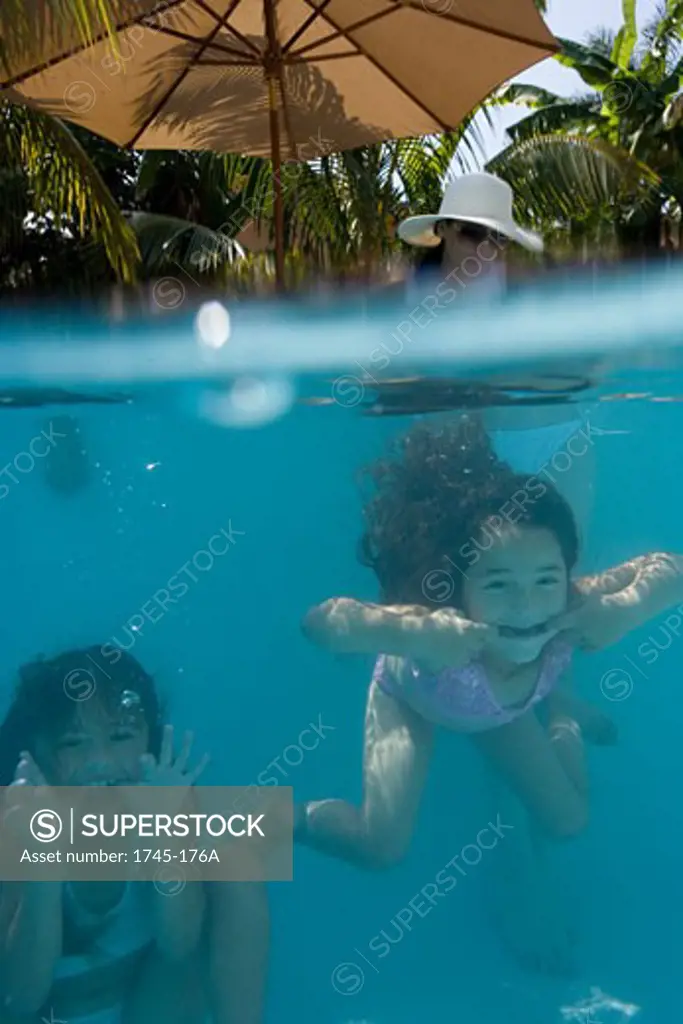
(283, 79)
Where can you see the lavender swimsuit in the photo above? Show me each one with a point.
(462, 698)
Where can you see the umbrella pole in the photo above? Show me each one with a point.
(277, 186)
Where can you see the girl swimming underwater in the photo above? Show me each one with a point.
(476, 633)
(112, 952)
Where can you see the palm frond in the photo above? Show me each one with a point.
(65, 184)
(560, 179)
(595, 68)
(168, 241)
(660, 46)
(602, 40)
(525, 95)
(59, 23)
(564, 116)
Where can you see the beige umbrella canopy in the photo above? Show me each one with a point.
(283, 79)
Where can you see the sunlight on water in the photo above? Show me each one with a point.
(212, 325)
(623, 315)
(248, 402)
(599, 1008)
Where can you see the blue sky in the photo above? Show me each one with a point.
(572, 19)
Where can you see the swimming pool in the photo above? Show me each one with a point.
(256, 422)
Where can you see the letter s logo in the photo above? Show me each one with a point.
(46, 826)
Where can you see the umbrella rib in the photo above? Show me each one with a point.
(387, 74)
(238, 35)
(193, 39)
(342, 33)
(420, 9)
(468, 23)
(246, 63)
(38, 68)
(319, 60)
(158, 107)
(305, 26)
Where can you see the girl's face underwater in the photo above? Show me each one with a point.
(100, 746)
(519, 584)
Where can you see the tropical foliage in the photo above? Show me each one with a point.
(605, 167)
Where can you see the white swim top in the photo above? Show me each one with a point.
(123, 930)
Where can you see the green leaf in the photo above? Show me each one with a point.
(27, 29)
(525, 95)
(627, 36)
(166, 241)
(593, 67)
(570, 180)
(558, 117)
(65, 183)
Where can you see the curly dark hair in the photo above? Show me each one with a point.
(438, 489)
(42, 708)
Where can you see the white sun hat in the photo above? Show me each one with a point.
(475, 199)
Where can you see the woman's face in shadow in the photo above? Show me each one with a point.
(472, 251)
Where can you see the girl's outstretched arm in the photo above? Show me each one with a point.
(657, 576)
(435, 639)
(347, 626)
(626, 597)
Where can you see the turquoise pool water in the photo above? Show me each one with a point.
(258, 423)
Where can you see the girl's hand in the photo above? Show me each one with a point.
(170, 770)
(595, 621)
(27, 772)
(23, 796)
(447, 640)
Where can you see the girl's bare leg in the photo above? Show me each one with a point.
(167, 991)
(544, 769)
(526, 902)
(534, 920)
(397, 752)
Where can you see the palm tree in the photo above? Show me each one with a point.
(608, 164)
(54, 202)
(187, 208)
(341, 209)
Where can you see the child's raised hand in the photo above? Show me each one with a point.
(27, 772)
(23, 796)
(170, 770)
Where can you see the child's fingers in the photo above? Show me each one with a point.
(194, 775)
(22, 768)
(184, 755)
(28, 772)
(147, 766)
(166, 752)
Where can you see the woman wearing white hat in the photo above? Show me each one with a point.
(468, 242)
(474, 224)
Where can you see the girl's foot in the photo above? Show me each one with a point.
(531, 916)
(535, 926)
(597, 727)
